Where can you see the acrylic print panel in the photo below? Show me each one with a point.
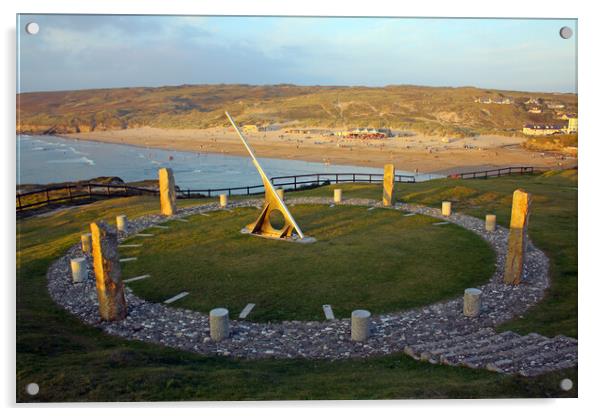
(135, 282)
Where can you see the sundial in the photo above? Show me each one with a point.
(262, 226)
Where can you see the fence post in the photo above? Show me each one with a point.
(47, 197)
(208, 193)
(295, 181)
(248, 191)
(318, 180)
(69, 193)
(19, 201)
(336, 178)
(108, 190)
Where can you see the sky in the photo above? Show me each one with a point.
(106, 51)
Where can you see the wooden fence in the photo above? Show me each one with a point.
(90, 191)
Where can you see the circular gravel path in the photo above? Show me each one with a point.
(392, 332)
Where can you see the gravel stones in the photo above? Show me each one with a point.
(439, 332)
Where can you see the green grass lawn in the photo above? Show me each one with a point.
(377, 260)
(552, 227)
(74, 362)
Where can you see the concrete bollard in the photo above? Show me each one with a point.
(122, 222)
(490, 222)
(360, 325)
(79, 269)
(87, 243)
(219, 324)
(338, 195)
(280, 193)
(223, 200)
(446, 208)
(472, 302)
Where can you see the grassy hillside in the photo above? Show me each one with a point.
(74, 362)
(429, 110)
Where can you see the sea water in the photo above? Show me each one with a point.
(50, 159)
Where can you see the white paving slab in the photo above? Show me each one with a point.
(441, 223)
(182, 219)
(371, 208)
(128, 259)
(176, 297)
(246, 311)
(411, 214)
(144, 235)
(328, 313)
(163, 227)
(129, 245)
(134, 279)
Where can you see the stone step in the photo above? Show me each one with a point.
(488, 353)
(418, 348)
(470, 341)
(525, 347)
(558, 365)
(547, 357)
(481, 346)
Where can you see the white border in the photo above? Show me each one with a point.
(590, 150)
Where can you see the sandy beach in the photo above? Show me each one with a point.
(424, 154)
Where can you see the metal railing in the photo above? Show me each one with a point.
(493, 173)
(71, 193)
(296, 182)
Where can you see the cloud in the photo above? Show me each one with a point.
(73, 52)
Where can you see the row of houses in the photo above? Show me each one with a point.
(547, 129)
(536, 103)
(487, 100)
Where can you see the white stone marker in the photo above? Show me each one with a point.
(219, 325)
(129, 245)
(246, 311)
(446, 208)
(328, 313)
(128, 259)
(79, 269)
(280, 193)
(338, 195)
(223, 200)
(144, 235)
(176, 297)
(122, 222)
(87, 243)
(490, 222)
(472, 302)
(134, 279)
(360, 325)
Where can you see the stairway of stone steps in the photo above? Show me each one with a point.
(506, 352)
